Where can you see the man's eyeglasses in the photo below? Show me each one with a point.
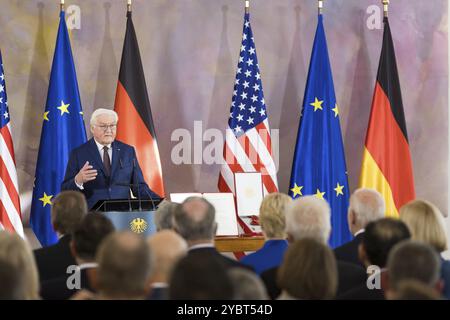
(105, 127)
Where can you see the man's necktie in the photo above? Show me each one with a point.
(106, 161)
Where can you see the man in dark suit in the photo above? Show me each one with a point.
(366, 205)
(103, 168)
(85, 240)
(67, 212)
(310, 217)
(195, 221)
(378, 240)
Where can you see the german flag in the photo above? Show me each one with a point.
(132, 104)
(387, 165)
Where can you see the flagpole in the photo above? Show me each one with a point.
(247, 6)
(61, 5)
(385, 7)
(320, 6)
(129, 5)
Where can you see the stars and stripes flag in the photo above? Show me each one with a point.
(248, 145)
(62, 131)
(10, 215)
(387, 165)
(319, 166)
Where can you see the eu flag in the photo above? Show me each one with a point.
(319, 162)
(62, 130)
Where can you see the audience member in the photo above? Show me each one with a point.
(164, 215)
(247, 285)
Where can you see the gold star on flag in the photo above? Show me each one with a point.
(319, 194)
(317, 104)
(297, 190)
(46, 199)
(336, 110)
(338, 189)
(45, 117)
(64, 107)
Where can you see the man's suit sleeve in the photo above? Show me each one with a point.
(71, 171)
(145, 191)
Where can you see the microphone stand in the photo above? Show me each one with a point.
(137, 182)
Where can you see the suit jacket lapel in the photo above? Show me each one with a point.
(95, 155)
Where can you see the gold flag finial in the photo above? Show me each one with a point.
(385, 7)
(129, 5)
(247, 6)
(61, 5)
(320, 6)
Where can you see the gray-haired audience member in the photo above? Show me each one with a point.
(366, 205)
(310, 217)
(247, 285)
(412, 260)
(195, 221)
(124, 267)
(167, 247)
(163, 217)
(415, 290)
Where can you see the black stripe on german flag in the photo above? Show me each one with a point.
(132, 104)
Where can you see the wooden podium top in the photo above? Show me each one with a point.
(239, 243)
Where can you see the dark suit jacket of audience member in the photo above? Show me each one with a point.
(348, 252)
(349, 276)
(210, 251)
(57, 289)
(52, 261)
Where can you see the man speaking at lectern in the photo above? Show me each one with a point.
(103, 168)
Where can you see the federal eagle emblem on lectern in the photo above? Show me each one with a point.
(138, 225)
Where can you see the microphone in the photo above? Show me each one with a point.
(137, 182)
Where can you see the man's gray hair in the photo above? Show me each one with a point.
(164, 215)
(309, 217)
(196, 222)
(367, 205)
(413, 260)
(101, 111)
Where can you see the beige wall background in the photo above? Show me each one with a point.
(190, 50)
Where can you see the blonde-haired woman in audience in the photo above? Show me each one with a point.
(426, 224)
(17, 252)
(273, 223)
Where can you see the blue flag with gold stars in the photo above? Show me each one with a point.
(62, 130)
(319, 162)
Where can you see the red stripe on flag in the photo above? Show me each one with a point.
(6, 178)
(8, 139)
(132, 130)
(4, 218)
(389, 148)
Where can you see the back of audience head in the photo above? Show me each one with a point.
(194, 220)
(247, 285)
(12, 283)
(200, 278)
(167, 247)
(308, 271)
(86, 239)
(164, 215)
(308, 217)
(17, 252)
(272, 215)
(412, 260)
(379, 238)
(124, 266)
(414, 290)
(426, 223)
(68, 210)
(366, 205)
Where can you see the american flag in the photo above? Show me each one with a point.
(248, 145)
(10, 216)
